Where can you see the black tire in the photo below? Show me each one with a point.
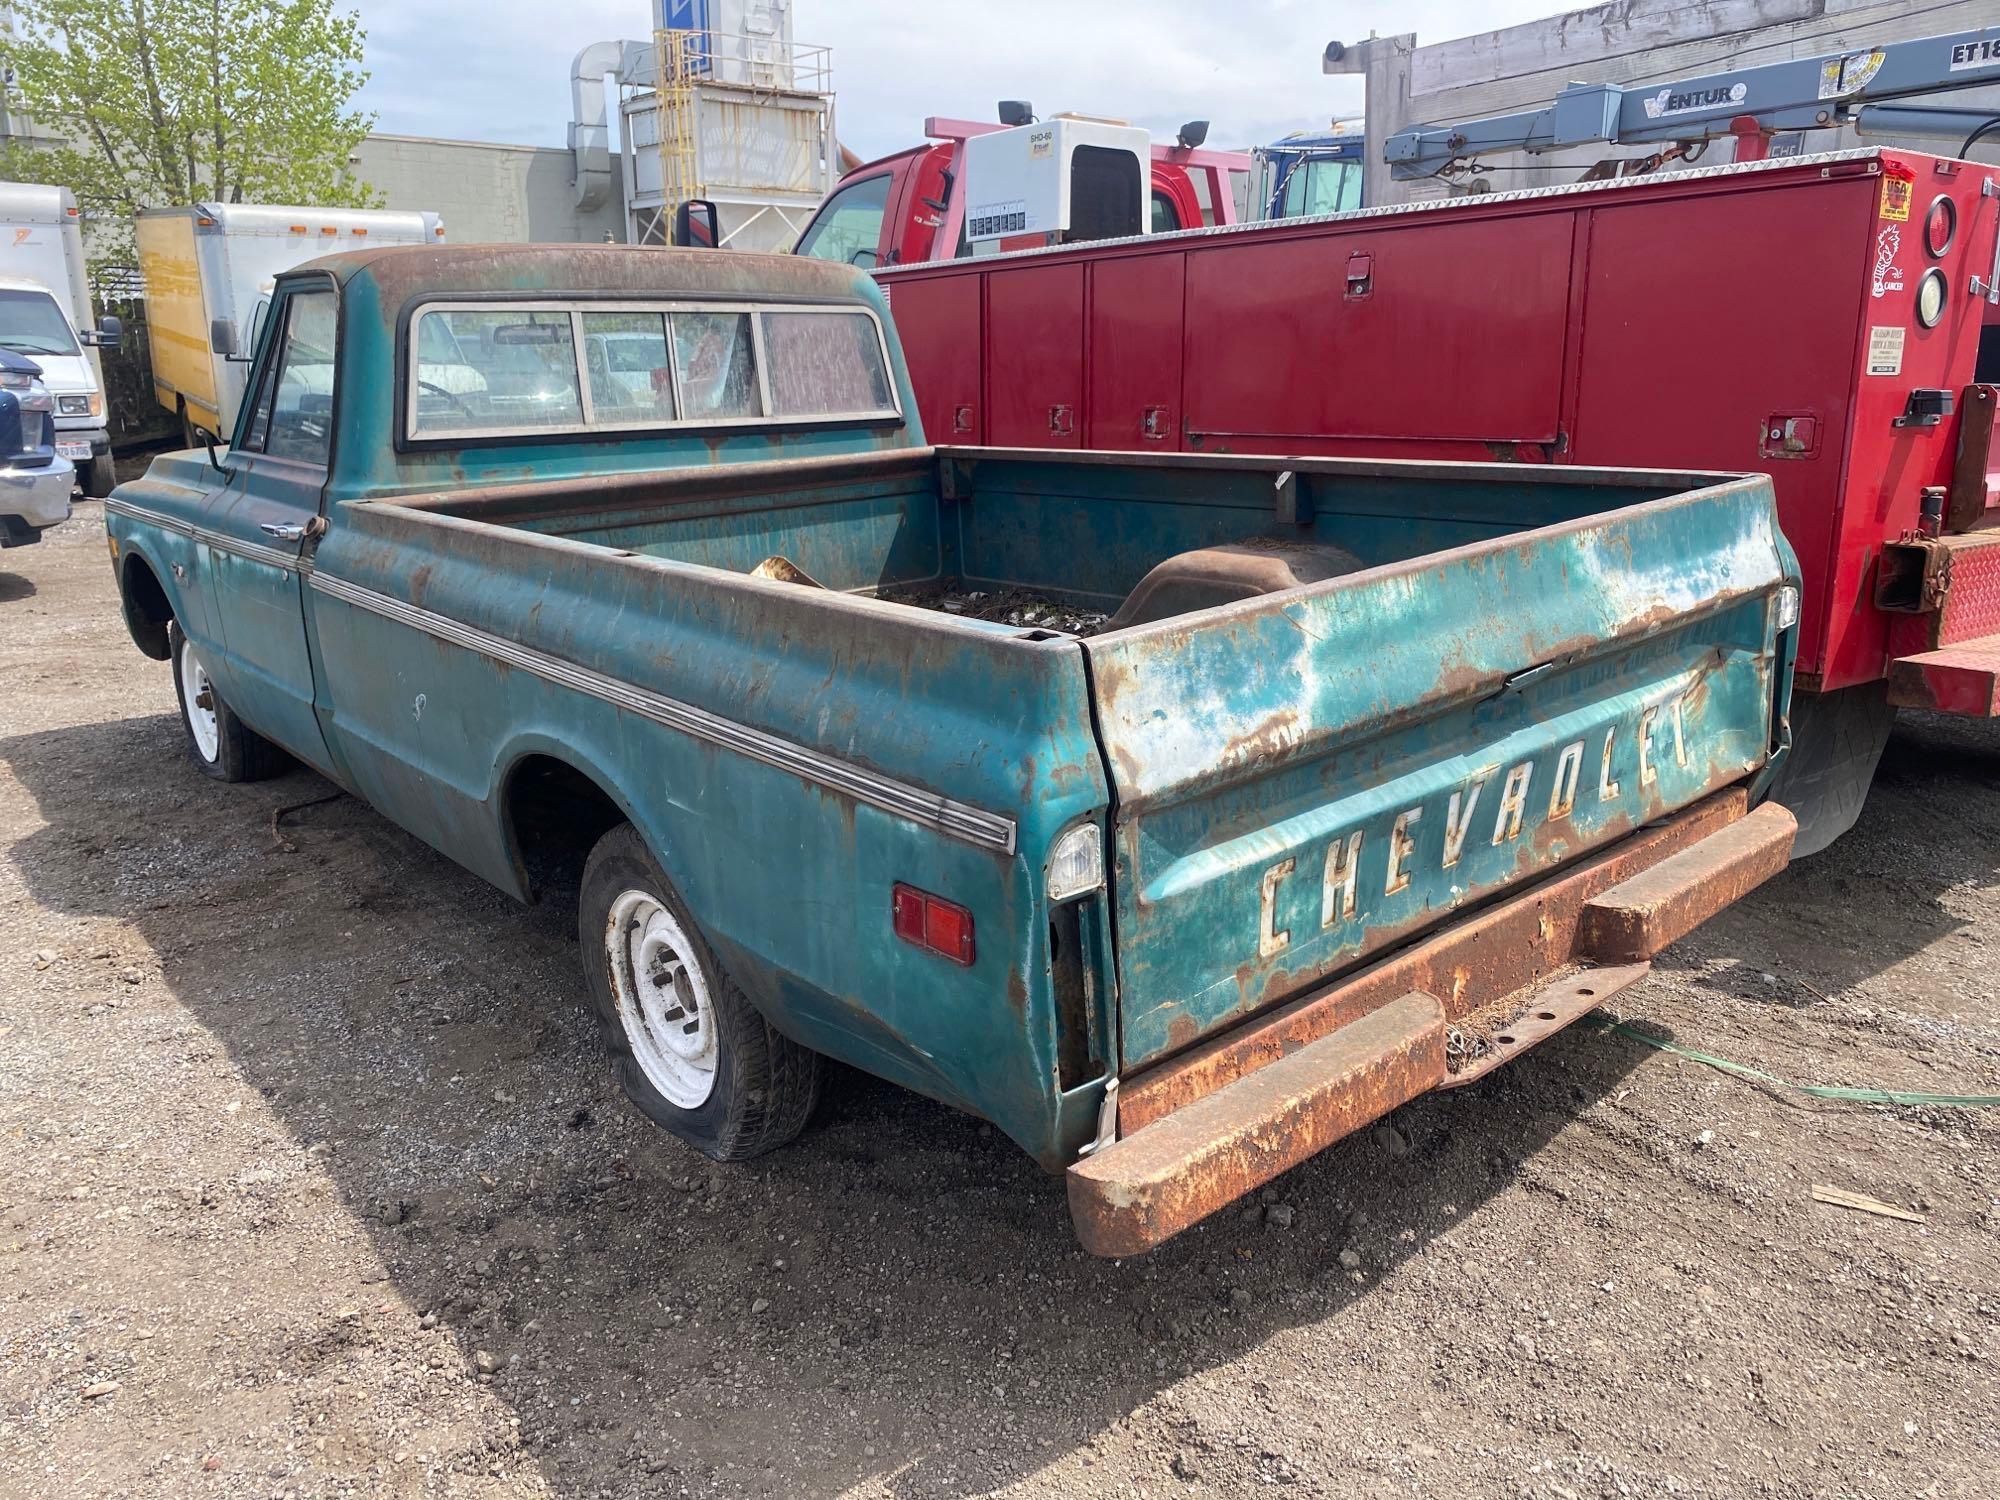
(764, 1084)
(1837, 741)
(241, 754)
(99, 478)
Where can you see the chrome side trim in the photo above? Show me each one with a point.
(956, 820)
(252, 551)
(116, 507)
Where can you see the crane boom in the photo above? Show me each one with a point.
(1811, 93)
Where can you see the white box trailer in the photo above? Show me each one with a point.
(45, 315)
(208, 270)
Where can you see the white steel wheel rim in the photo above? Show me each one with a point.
(663, 998)
(198, 694)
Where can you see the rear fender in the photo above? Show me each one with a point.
(532, 746)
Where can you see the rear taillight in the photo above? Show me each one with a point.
(933, 923)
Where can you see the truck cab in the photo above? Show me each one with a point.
(45, 316)
(1308, 172)
(911, 207)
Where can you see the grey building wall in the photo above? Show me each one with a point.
(487, 193)
(1629, 42)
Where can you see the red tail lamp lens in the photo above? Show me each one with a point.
(933, 923)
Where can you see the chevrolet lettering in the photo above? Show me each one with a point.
(1345, 892)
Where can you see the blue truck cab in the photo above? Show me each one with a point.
(1308, 172)
(1178, 814)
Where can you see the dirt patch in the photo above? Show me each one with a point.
(313, 1182)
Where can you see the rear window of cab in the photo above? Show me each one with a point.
(516, 369)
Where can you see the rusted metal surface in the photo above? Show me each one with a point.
(1206, 1128)
(1207, 576)
(404, 271)
(1961, 679)
(1914, 576)
(1532, 1019)
(1309, 778)
(1155, 1182)
(1967, 608)
(1472, 964)
(1645, 912)
(1971, 491)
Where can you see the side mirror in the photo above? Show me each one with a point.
(109, 333)
(695, 225)
(222, 337)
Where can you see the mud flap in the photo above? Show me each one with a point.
(1837, 740)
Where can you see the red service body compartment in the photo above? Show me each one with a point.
(1753, 318)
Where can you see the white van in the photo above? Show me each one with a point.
(44, 302)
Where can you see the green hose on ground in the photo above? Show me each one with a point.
(1813, 1090)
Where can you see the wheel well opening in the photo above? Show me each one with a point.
(147, 609)
(555, 816)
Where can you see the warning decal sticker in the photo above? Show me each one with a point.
(1896, 195)
(1885, 351)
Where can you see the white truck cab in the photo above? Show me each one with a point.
(45, 315)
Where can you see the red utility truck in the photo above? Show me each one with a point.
(1818, 319)
(912, 206)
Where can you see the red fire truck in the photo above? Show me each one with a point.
(1818, 318)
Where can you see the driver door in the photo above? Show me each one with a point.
(270, 518)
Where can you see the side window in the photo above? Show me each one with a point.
(1348, 195)
(1322, 187)
(485, 370)
(715, 365)
(824, 364)
(1295, 191)
(301, 417)
(848, 226)
(1166, 218)
(625, 356)
(584, 368)
(292, 415)
(257, 316)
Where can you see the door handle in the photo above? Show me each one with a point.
(284, 531)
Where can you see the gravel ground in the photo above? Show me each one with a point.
(313, 1183)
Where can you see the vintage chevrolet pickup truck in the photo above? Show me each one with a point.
(1177, 814)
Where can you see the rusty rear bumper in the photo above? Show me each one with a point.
(1201, 1129)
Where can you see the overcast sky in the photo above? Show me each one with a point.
(498, 70)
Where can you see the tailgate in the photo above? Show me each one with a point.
(1310, 778)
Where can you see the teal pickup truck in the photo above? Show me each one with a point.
(1177, 814)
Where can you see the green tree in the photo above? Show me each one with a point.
(147, 103)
